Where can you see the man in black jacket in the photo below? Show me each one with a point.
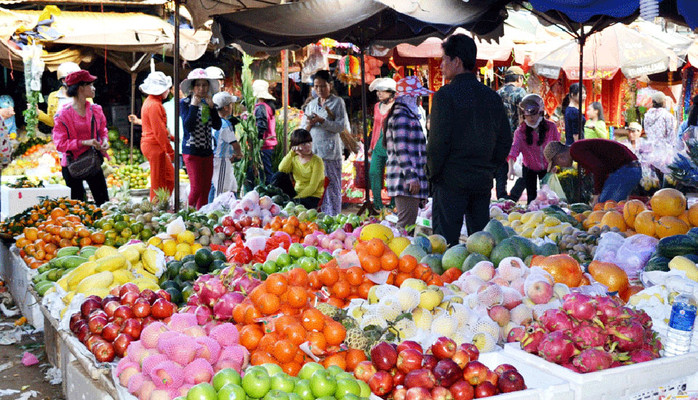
(470, 136)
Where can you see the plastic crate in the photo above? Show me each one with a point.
(627, 382)
(541, 384)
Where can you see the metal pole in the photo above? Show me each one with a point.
(133, 111)
(284, 86)
(582, 41)
(176, 105)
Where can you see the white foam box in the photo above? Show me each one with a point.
(53, 341)
(541, 384)
(5, 263)
(14, 201)
(80, 386)
(18, 285)
(636, 381)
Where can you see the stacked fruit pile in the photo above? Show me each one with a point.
(38, 158)
(131, 176)
(50, 209)
(119, 150)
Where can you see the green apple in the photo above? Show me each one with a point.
(293, 396)
(303, 391)
(256, 382)
(296, 250)
(202, 391)
(276, 395)
(270, 267)
(283, 260)
(272, 369)
(344, 375)
(232, 391)
(365, 389)
(324, 257)
(311, 251)
(309, 369)
(282, 382)
(308, 264)
(347, 386)
(334, 370)
(225, 376)
(323, 384)
(293, 266)
(349, 396)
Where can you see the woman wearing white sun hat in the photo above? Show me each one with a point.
(385, 90)
(265, 118)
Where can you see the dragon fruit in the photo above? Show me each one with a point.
(628, 335)
(579, 306)
(641, 355)
(167, 375)
(591, 360)
(225, 334)
(534, 334)
(223, 309)
(556, 347)
(607, 309)
(209, 288)
(209, 350)
(588, 335)
(556, 320)
(180, 349)
(198, 371)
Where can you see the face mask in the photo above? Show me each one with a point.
(534, 126)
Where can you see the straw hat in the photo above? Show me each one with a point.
(383, 85)
(197, 74)
(260, 90)
(412, 86)
(156, 83)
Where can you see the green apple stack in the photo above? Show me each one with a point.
(308, 258)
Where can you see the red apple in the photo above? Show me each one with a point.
(104, 352)
(121, 344)
(111, 306)
(420, 378)
(115, 291)
(93, 340)
(447, 372)
(164, 295)
(381, 383)
(141, 308)
(109, 298)
(94, 297)
(128, 287)
(73, 321)
(429, 361)
(83, 332)
(149, 295)
(511, 381)
(462, 390)
(399, 393)
(132, 327)
(485, 389)
(384, 356)
(417, 393)
(147, 320)
(88, 306)
(110, 331)
(441, 393)
(444, 348)
(398, 377)
(471, 349)
(492, 377)
(96, 323)
(98, 312)
(129, 298)
(162, 309)
(364, 371)
(409, 359)
(461, 357)
(504, 367)
(122, 313)
(409, 344)
(475, 372)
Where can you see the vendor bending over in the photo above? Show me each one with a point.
(615, 168)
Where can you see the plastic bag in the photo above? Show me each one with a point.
(608, 247)
(634, 253)
(553, 183)
(518, 166)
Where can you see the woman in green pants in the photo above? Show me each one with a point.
(385, 90)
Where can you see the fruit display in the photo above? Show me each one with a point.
(284, 259)
(131, 176)
(677, 252)
(590, 334)
(581, 244)
(293, 226)
(274, 193)
(120, 152)
(254, 205)
(26, 182)
(108, 325)
(171, 358)
(332, 242)
(39, 159)
(546, 223)
(444, 371)
(46, 210)
(65, 260)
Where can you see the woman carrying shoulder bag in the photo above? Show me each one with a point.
(80, 135)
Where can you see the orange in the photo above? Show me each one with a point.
(250, 335)
(376, 247)
(297, 297)
(298, 277)
(613, 219)
(609, 274)
(318, 344)
(562, 267)
(370, 263)
(313, 320)
(292, 368)
(334, 333)
(630, 211)
(407, 263)
(295, 333)
(668, 202)
(644, 223)
(593, 219)
(277, 284)
(693, 214)
(329, 275)
(389, 261)
(669, 226)
(341, 289)
(269, 304)
(284, 350)
(355, 275)
(354, 357)
(338, 359)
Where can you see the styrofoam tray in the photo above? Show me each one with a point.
(541, 384)
(616, 383)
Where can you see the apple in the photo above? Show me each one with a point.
(164, 295)
(334, 370)
(475, 372)
(83, 332)
(121, 344)
(103, 351)
(441, 393)
(96, 323)
(73, 320)
(461, 357)
(471, 349)
(492, 377)
(147, 320)
(422, 378)
(309, 369)
(128, 287)
(128, 298)
(323, 384)
(409, 359)
(122, 313)
(485, 389)
(303, 390)
(347, 386)
(93, 340)
(381, 383)
(132, 327)
(149, 296)
(447, 372)
(384, 356)
(511, 381)
(504, 367)
(256, 381)
(89, 305)
(272, 369)
(500, 315)
(202, 391)
(162, 309)
(429, 361)
(110, 331)
(409, 344)
(540, 292)
(462, 390)
(224, 377)
(365, 389)
(398, 377)
(444, 348)
(110, 307)
(417, 393)
(282, 382)
(275, 395)
(231, 391)
(141, 308)
(364, 371)
(399, 393)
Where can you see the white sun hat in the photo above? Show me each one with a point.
(260, 90)
(199, 74)
(383, 85)
(156, 83)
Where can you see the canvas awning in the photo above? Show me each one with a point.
(83, 32)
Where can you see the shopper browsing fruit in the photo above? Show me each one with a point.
(469, 137)
(404, 141)
(305, 168)
(385, 91)
(530, 140)
(615, 168)
(200, 116)
(595, 126)
(227, 149)
(265, 119)
(79, 126)
(155, 142)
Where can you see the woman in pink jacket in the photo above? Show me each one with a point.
(78, 126)
(530, 139)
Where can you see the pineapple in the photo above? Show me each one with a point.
(356, 339)
(162, 199)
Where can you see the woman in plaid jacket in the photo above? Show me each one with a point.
(406, 145)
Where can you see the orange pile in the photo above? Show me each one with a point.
(340, 284)
(294, 227)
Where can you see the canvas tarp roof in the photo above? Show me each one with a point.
(85, 32)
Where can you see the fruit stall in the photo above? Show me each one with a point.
(257, 297)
